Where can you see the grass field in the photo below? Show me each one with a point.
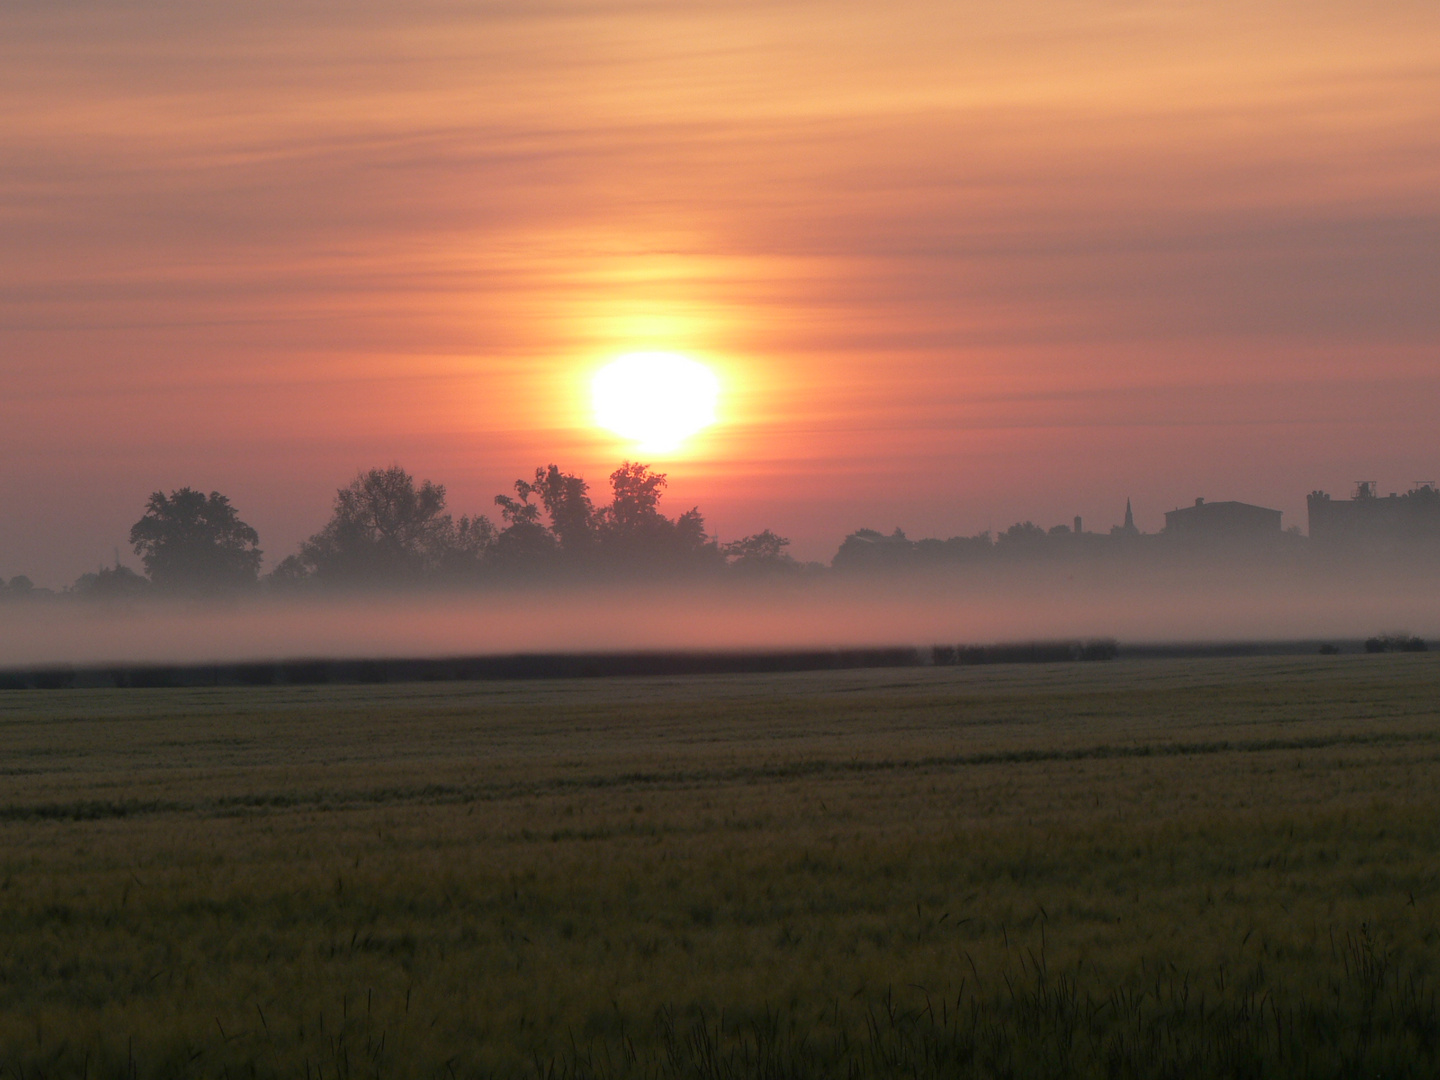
(1167, 868)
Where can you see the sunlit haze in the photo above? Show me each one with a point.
(655, 401)
(955, 267)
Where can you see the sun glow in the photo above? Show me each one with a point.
(655, 400)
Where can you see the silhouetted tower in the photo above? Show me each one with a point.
(1130, 519)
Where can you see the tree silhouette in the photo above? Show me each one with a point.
(386, 529)
(466, 545)
(690, 535)
(566, 499)
(869, 549)
(196, 543)
(762, 550)
(632, 531)
(634, 507)
(524, 541)
(1023, 537)
(519, 511)
(111, 583)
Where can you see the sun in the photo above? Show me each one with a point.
(656, 400)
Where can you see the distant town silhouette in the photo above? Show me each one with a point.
(389, 531)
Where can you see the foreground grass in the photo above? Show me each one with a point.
(1162, 869)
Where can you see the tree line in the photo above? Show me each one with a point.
(387, 529)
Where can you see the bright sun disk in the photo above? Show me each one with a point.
(655, 400)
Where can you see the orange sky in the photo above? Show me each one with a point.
(959, 264)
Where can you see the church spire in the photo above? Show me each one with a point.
(1129, 518)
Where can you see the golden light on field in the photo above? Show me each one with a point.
(655, 400)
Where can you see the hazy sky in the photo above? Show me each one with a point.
(958, 264)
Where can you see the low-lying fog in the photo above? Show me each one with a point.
(1030, 602)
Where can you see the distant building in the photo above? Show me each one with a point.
(1128, 529)
(1222, 522)
(1367, 521)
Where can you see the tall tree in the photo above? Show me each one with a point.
(632, 527)
(635, 503)
(566, 498)
(196, 543)
(386, 529)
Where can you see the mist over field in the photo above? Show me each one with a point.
(394, 574)
(1026, 602)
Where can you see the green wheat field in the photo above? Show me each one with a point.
(1133, 869)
